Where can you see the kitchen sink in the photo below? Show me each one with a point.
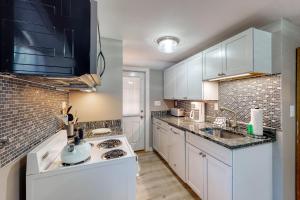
(222, 133)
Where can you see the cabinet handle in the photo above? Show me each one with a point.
(174, 131)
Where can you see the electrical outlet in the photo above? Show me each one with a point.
(216, 106)
(157, 103)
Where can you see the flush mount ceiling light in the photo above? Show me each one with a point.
(167, 44)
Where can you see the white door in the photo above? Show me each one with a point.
(194, 78)
(195, 170)
(133, 109)
(219, 180)
(212, 62)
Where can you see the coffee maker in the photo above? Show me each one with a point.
(197, 111)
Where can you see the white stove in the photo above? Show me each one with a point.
(109, 173)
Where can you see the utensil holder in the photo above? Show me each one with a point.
(70, 130)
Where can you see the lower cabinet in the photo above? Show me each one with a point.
(155, 131)
(210, 178)
(163, 144)
(195, 170)
(219, 179)
(177, 152)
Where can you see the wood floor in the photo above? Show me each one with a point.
(157, 181)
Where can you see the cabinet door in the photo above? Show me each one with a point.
(212, 62)
(181, 81)
(194, 78)
(164, 144)
(156, 137)
(177, 152)
(219, 180)
(238, 53)
(195, 170)
(169, 83)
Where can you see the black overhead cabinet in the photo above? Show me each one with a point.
(45, 37)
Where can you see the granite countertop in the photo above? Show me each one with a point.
(193, 127)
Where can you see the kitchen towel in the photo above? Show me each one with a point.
(257, 121)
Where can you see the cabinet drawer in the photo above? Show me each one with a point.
(221, 153)
(176, 131)
(161, 124)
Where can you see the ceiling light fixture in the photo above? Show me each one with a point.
(167, 44)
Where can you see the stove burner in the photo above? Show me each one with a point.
(72, 164)
(117, 153)
(108, 144)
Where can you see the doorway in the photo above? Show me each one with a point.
(298, 126)
(134, 108)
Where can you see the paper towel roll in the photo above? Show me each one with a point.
(257, 121)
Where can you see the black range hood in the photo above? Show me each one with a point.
(50, 41)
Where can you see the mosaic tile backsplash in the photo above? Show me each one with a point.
(27, 116)
(242, 95)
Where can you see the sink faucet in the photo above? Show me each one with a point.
(234, 123)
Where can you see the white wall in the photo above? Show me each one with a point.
(106, 103)
(287, 38)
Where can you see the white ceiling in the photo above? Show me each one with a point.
(198, 24)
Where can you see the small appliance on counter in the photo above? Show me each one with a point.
(177, 112)
(197, 111)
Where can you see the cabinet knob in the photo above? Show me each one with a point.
(201, 154)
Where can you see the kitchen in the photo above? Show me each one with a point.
(195, 106)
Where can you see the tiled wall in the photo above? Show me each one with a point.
(242, 95)
(27, 116)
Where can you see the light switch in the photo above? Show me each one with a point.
(292, 110)
(157, 103)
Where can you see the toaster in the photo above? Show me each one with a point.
(177, 112)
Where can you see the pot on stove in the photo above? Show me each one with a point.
(75, 153)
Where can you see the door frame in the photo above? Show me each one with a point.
(297, 186)
(147, 102)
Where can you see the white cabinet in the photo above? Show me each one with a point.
(164, 143)
(155, 132)
(194, 78)
(181, 81)
(184, 81)
(212, 62)
(177, 152)
(195, 170)
(169, 83)
(238, 53)
(249, 52)
(215, 172)
(219, 179)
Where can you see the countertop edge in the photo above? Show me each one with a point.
(269, 140)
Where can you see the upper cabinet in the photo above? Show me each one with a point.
(170, 83)
(181, 81)
(212, 62)
(247, 52)
(184, 81)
